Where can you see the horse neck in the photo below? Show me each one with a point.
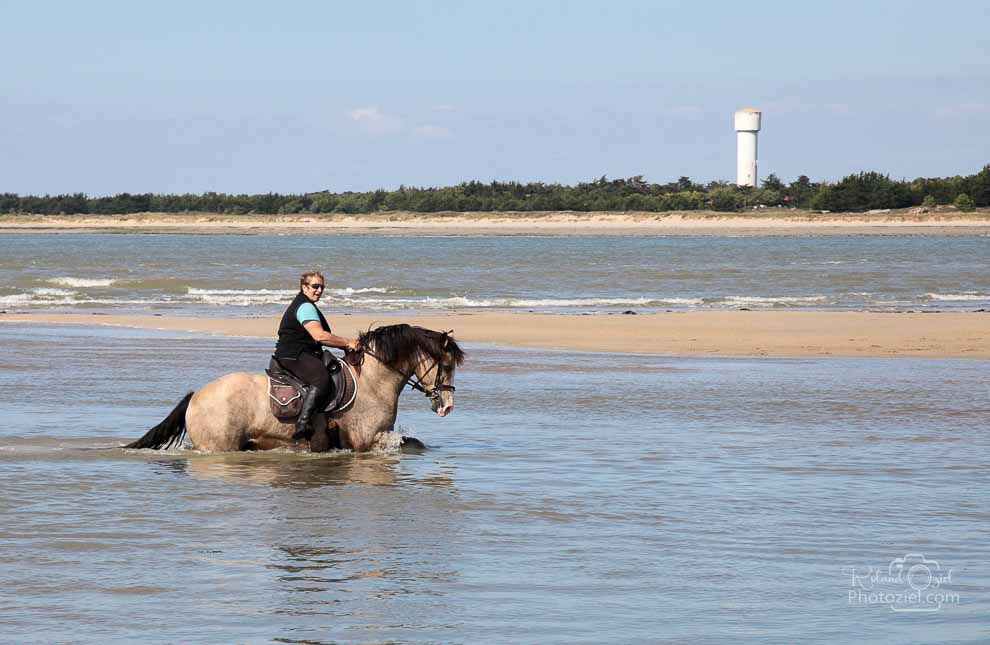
(385, 381)
(377, 402)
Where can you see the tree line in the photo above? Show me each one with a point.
(858, 192)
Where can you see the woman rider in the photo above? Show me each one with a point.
(301, 335)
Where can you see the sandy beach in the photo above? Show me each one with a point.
(726, 333)
(764, 222)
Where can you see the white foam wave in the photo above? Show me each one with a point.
(348, 291)
(48, 291)
(375, 298)
(41, 296)
(770, 301)
(45, 297)
(193, 291)
(16, 299)
(955, 296)
(239, 297)
(82, 283)
(512, 303)
(248, 297)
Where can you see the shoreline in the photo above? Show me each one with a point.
(767, 222)
(716, 333)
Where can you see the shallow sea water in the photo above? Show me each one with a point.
(571, 498)
(247, 275)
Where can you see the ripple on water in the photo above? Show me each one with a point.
(703, 500)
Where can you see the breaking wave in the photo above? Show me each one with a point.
(189, 299)
(464, 302)
(947, 297)
(239, 297)
(248, 297)
(82, 283)
(768, 301)
(48, 297)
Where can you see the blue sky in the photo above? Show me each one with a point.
(104, 97)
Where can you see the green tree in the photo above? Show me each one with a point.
(964, 202)
(291, 207)
(799, 192)
(980, 187)
(772, 182)
(726, 198)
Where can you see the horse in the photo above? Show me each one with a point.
(231, 413)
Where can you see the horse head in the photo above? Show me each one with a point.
(426, 357)
(441, 374)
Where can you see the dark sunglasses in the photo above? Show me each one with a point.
(316, 287)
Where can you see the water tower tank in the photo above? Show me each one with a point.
(747, 122)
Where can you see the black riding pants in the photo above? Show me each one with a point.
(310, 369)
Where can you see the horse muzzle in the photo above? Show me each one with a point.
(443, 405)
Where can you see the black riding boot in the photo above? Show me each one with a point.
(304, 429)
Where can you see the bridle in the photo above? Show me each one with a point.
(414, 382)
(433, 394)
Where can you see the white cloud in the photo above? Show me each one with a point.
(432, 132)
(372, 121)
(962, 109)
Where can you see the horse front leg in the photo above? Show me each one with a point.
(326, 437)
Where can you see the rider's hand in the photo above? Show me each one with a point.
(353, 346)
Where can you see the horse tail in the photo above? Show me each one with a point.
(167, 433)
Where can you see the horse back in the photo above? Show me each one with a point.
(223, 413)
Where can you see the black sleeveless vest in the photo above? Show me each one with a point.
(293, 339)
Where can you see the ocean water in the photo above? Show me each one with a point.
(570, 498)
(257, 274)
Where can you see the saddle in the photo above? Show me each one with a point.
(286, 392)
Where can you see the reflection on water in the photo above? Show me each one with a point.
(244, 542)
(293, 470)
(594, 498)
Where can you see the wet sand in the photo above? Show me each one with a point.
(767, 222)
(725, 333)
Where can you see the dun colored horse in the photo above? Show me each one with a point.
(232, 412)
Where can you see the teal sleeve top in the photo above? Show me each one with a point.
(306, 312)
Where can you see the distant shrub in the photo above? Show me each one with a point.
(726, 199)
(964, 202)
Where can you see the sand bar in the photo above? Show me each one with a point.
(726, 333)
(765, 222)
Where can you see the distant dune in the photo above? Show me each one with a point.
(770, 221)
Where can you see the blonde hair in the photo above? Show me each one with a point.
(304, 278)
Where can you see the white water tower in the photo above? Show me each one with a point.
(747, 125)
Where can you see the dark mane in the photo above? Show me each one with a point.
(398, 346)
